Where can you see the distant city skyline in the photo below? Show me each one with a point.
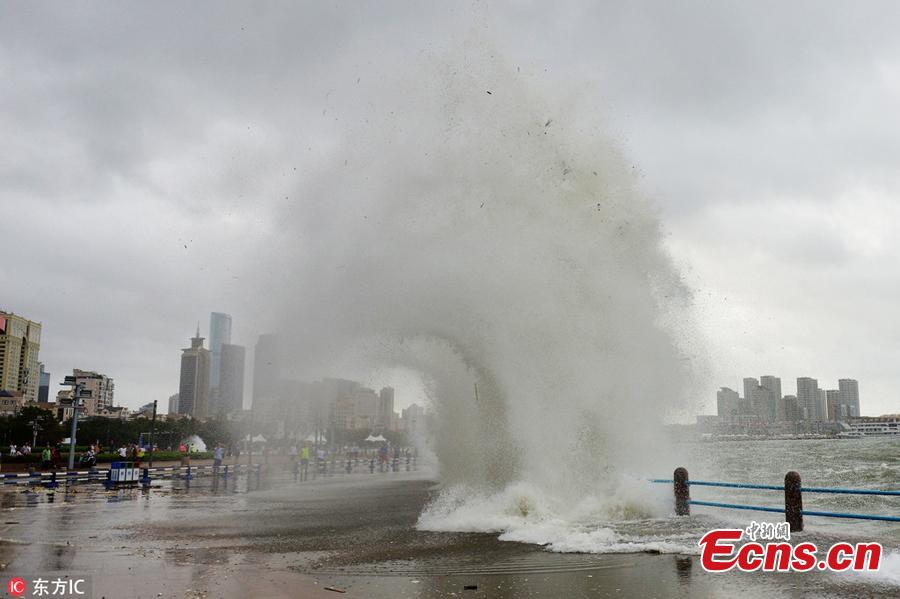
(763, 398)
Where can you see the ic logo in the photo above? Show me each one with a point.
(16, 587)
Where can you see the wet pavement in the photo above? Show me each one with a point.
(355, 533)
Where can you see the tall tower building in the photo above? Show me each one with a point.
(750, 385)
(193, 392)
(848, 393)
(219, 335)
(772, 384)
(808, 398)
(835, 409)
(44, 387)
(20, 341)
(384, 415)
(231, 379)
(266, 369)
(727, 402)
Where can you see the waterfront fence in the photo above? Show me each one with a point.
(793, 498)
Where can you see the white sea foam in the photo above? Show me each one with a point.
(525, 513)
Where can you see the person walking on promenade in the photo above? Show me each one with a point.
(304, 462)
(46, 460)
(218, 455)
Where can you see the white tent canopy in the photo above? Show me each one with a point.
(256, 439)
(378, 439)
(312, 438)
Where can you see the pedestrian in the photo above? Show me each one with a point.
(46, 458)
(304, 461)
(218, 454)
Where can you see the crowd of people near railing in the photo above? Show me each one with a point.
(52, 458)
(386, 457)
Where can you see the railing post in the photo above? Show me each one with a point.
(793, 501)
(682, 492)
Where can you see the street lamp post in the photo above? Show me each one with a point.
(77, 391)
(152, 436)
(35, 427)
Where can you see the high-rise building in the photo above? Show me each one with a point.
(792, 409)
(833, 401)
(173, 404)
(231, 379)
(20, 341)
(822, 404)
(727, 402)
(219, 335)
(44, 387)
(100, 389)
(266, 370)
(772, 384)
(808, 398)
(193, 392)
(750, 385)
(384, 415)
(413, 419)
(761, 402)
(848, 390)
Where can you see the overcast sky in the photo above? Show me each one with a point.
(146, 150)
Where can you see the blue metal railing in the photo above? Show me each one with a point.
(686, 484)
(706, 483)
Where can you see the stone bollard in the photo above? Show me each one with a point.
(145, 480)
(372, 466)
(225, 472)
(188, 476)
(793, 501)
(682, 492)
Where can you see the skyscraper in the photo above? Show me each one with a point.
(727, 402)
(219, 335)
(760, 403)
(808, 398)
(384, 415)
(772, 384)
(266, 370)
(750, 385)
(231, 379)
(20, 341)
(835, 409)
(848, 393)
(44, 387)
(193, 392)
